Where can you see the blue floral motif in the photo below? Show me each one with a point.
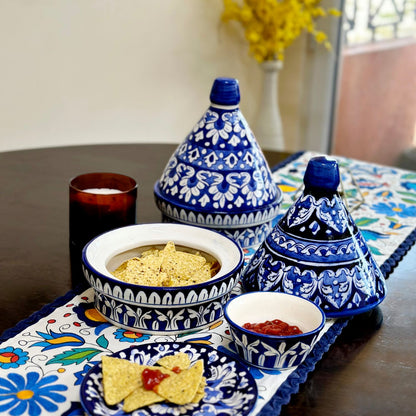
(87, 313)
(33, 395)
(410, 186)
(11, 357)
(206, 410)
(57, 340)
(254, 371)
(385, 194)
(219, 176)
(371, 235)
(124, 335)
(393, 209)
(79, 375)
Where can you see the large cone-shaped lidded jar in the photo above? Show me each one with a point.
(218, 177)
(317, 252)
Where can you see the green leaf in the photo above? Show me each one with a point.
(285, 205)
(409, 194)
(375, 250)
(350, 193)
(409, 201)
(102, 341)
(409, 176)
(74, 356)
(293, 178)
(361, 222)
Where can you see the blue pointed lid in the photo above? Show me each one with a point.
(323, 173)
(219, 168)
(225, 91)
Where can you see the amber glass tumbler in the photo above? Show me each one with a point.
(98, 202)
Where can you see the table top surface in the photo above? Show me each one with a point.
(369, 370)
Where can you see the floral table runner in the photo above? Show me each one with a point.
(44, 358)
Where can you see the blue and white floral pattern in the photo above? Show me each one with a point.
(173, 320)
(230, 388)
(317, 252)
(286, 355)
(219, 175)
(11, 357)
(31, 394)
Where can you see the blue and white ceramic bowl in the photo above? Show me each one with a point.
(273, 352)
(218, 177)
(160, 310)
(316, 251)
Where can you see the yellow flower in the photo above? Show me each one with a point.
(271, 26)
(334, 12)
(320, 37)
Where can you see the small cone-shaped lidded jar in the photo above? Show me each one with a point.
(218, 177)
(316, 251)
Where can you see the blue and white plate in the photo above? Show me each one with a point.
(230, 389)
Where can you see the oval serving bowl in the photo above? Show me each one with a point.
(157, 309)
(273, 352)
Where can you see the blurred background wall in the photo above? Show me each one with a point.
(118, 71)
(127, 71)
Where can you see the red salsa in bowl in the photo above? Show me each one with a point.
(274, 327)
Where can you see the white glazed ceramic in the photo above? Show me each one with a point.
(270, 351)
(160, 310)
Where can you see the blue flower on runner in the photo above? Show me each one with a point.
(124, 335)
(32, 395)
(393, 209)
(79, 375)
(385, 194)
(11, 357)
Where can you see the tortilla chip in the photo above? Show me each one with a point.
(120, 378)
(179, 360)
(181, 265)
(166, 267)
(139, 270)
(151, 252)
(140, 397)
(181, 388)
(200, 393)
(168, 250)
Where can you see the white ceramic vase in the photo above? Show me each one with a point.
(268, 124)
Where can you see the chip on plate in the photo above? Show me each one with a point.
(120, 378)
(181, 388)
(179, 360)
(200, 392)
(140, 396)
(125, 380)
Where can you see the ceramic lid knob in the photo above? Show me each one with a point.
(225, 91)
(322, 173)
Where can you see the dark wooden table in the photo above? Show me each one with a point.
(369, 370)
